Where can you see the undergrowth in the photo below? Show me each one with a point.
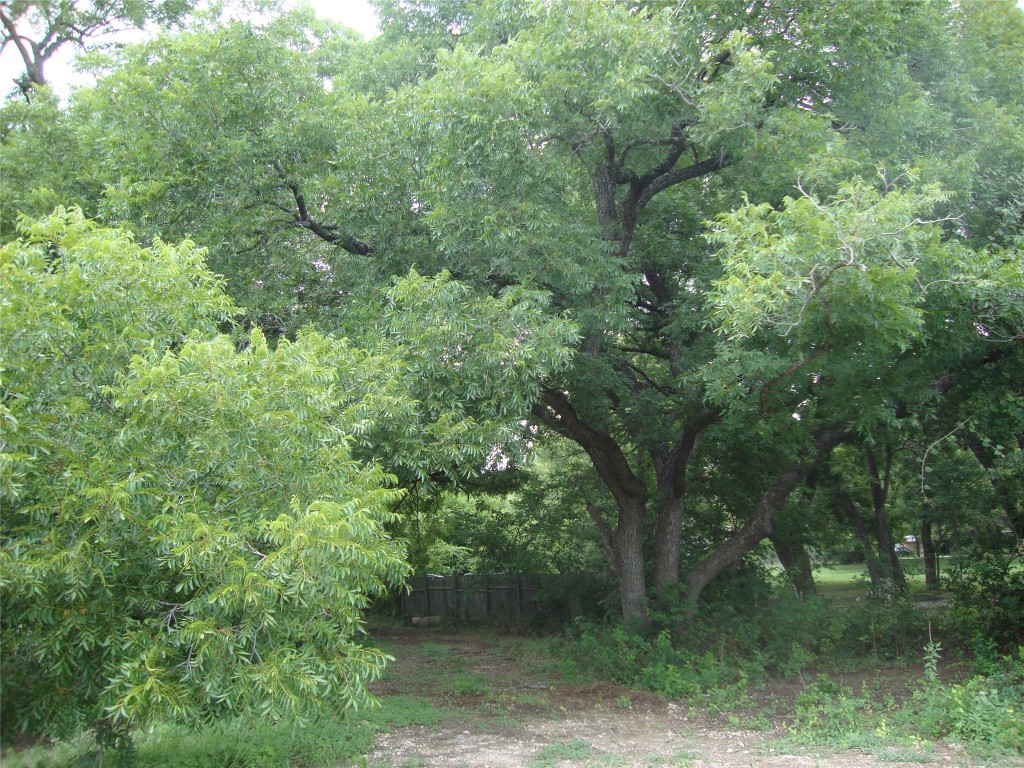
(751, 630)
(245, 744)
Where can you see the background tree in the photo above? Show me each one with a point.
(37, 30)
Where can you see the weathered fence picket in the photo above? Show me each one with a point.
(508, 598)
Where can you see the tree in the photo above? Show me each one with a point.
(193, 522)
(37, 30)
(685, 180)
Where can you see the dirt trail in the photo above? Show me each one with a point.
(508, 711)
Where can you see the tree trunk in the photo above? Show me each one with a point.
(931, 560)
(892, 569)
(795, 560)
(759, 524)
(629, 562)
(667, 539)
(860, 530)
(670, 468)
(628, 490)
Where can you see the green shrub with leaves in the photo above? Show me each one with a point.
(188, 532)
(986, 712)
(988, 593)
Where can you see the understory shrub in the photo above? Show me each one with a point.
(986, 712)
(654, 663)
(243, 742)
(988, 595)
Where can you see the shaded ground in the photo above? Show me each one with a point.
(506, 707)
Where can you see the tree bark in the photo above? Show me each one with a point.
(628, 490)
(668, 531)
(860, 530)
(931, 559)
(628, 538)
(891, 567)
(670, 468)
(759, 524)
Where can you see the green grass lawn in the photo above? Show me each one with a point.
(852, 580)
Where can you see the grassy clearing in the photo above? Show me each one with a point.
(851, 581)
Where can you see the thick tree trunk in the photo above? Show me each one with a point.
(759, 524)
(667, 539)
(892, 569)
(670, 468)
(931, 559)
(860, 530)
(628, 490)
(629, 562)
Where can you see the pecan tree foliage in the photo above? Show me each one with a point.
(194, 522)
(37, 30)
(778, 222)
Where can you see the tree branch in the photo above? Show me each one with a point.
(771, 384)
(326, 232)
(557, 412)
(672, 178)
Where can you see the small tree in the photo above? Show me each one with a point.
(188, 532)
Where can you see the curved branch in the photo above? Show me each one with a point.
(326, 232)
(611, 464)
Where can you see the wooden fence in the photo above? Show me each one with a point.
(511, 599)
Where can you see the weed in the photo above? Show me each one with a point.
(246, 743)
(610, 760)
(985, 712)
(550, 756)
(470, 684)
(403, 711)
(438, 652)
(538, 701)
(623, 702)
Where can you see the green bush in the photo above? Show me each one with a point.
(245, 743)
(986, 712)
(988, 595)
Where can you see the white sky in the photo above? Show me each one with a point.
(60, 73)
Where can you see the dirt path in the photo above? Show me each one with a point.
(506, 709)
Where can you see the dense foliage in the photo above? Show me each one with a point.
(193, 523)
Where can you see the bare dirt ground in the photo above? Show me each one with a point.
(506, 708)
